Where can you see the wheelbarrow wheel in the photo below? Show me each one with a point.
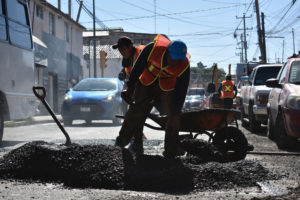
(67, 122)
(232, 142)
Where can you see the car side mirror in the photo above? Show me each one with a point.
(273, 83)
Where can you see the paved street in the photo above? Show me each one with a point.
(79, 132)
(103, 132)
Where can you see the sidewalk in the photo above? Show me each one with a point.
(32, 120)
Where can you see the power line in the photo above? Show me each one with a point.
(98, 21)
(168, 15)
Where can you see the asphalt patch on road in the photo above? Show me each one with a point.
(110, 167)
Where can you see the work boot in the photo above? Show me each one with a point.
(136, 147)
(173, 154)
(119, 142)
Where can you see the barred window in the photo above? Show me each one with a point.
(39, 12)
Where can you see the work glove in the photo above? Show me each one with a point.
(122, 76)
(127, 95)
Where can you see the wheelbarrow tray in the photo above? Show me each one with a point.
(202, 120)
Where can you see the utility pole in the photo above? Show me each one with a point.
(245, 38)
(59, 5)
(242, 49)
(94, 39)
(282, 51)
(260, 34)
(264, 52)
(70, 7)
(293, 40)
(79, 11)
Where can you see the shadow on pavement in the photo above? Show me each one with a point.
(94, 124)
(10, 143)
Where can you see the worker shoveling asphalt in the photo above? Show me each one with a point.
(110, 167)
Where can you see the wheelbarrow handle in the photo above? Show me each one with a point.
(35, 90)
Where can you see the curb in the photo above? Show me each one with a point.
(30, 121)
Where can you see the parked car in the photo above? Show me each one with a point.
(194, 99)
(254, 97)
(284, 104)
(243, 82)
(93, 99)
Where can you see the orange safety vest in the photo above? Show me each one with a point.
(137, 52)
(167, 76)
(227, 89)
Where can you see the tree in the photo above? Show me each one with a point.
(200, 65)
(203, 76)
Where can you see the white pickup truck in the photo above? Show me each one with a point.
(254, 97)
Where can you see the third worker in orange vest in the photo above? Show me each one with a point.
(129, 53)
(160, 75)
(228, 92)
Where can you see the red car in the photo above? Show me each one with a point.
(284, 104)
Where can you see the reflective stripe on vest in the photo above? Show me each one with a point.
(227, 89)
(167, 75)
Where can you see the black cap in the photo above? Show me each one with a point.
(123, 41)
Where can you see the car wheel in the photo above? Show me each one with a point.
(283, 141)
(253, 124)
(116, 120)
(271, 130)
(232, 142)
(88, 121)
(67, 122)
(1, 125)
(244, 123)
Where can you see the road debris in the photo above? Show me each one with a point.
(110, 167)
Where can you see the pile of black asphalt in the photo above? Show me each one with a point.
(110, 167)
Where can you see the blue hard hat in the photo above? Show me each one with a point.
(177, 50)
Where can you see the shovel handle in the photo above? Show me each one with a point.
(35, 90)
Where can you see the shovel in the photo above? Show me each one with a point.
(42, 98)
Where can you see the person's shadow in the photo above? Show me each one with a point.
(156, 173)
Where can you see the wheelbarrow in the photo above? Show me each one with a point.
(217, 124)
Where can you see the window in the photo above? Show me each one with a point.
(264, 73)
(39, 12)
(294, 76)
(283, 73)
(3, 35)
(16, 11)
(252, 75)
(67, 32)
(1, 11)
(18, 23)
(51, 24)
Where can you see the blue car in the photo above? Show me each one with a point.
(93, 99)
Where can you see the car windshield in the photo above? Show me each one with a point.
(295, 73)
(264, 73)
(196, 91)
(95, 85)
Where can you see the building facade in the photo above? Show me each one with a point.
(58, 50)
(104, 41)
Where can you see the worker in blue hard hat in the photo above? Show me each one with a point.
(160, 78)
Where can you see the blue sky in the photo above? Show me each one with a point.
(206, 26)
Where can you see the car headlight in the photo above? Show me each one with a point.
(109, 98)
(293, 101)
(67, 97)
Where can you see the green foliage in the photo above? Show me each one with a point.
(204, 76)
